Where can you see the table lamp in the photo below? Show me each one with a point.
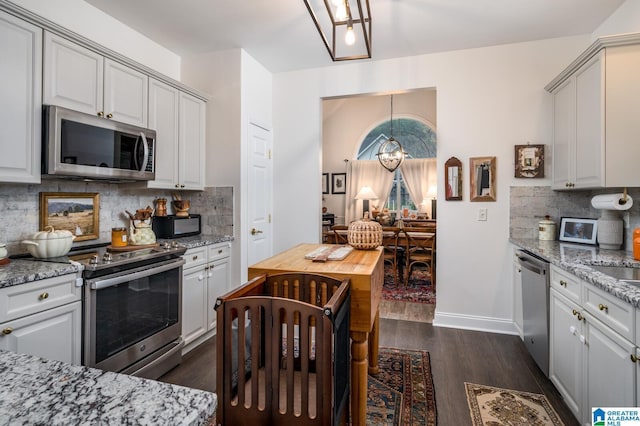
(365, 194)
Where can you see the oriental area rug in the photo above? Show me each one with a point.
(402, 394)
(497, 406)
(419, 289)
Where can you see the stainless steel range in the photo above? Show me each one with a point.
(132, 309)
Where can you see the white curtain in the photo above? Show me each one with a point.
(419, 176)
(366, 173)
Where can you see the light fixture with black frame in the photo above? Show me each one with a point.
(353, 23)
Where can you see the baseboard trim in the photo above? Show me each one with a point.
(476, 323)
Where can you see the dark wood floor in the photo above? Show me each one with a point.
(457, 356)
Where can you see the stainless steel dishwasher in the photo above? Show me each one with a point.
(535, 307)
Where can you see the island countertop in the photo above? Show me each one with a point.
(40, 391)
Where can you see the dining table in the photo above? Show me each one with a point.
(365, 270)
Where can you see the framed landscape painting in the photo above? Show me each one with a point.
(78, 212)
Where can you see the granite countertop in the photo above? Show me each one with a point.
(39, 391)
(578, 258)
(25, 270)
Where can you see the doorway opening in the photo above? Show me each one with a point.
(353, 129)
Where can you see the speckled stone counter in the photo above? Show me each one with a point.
(38, 391)
(20, 271)
(202, 240)
(577, 260)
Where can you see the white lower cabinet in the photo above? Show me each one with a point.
(566, 351)
(43, 318)
(207, 275)
(610, 372)
(591, 363)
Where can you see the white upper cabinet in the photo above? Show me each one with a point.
(179, 122)
(192, 142)
(163, 118)
(21, 105)
(595, 124)
(80, 79)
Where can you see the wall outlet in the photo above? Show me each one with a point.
(482, 214)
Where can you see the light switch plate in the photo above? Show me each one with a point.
(482, 215)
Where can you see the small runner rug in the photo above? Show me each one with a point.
(402, 394)
(496, 406)
(418, 291)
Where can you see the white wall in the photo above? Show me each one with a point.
(241, 91)
(489, 100)
(256, 108)
(626, 19)
(90, 22)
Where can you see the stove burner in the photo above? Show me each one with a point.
(100, 261)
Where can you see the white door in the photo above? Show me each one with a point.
(259, 195)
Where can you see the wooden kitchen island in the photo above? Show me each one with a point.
(365, 269)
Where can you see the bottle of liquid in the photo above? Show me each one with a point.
(636, 244)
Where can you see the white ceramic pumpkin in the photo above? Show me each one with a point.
(49, 243)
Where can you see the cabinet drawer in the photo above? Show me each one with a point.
(195, 257)
(613, 312)
(219, 251)
(26, 299)
(565, 283)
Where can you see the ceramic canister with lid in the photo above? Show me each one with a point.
(547, 229)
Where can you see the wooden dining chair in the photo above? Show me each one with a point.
(338, 234)
(420, 249)
(393, 251)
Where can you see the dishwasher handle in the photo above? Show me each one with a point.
(532, 265)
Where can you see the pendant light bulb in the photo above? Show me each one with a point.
(350, 36)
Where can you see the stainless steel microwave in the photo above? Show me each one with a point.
(81, 145)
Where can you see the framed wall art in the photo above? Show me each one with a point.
(577, 230)
(78, 212)
(482, 178)
(338, 183)
(453, 179)
(325, 183)
(529, 161)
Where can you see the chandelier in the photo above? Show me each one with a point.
(391, 154)
(345, 28)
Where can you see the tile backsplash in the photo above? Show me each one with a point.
(530, 204)
(19, 206)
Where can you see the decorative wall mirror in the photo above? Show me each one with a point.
(482, 176)
(453, 179)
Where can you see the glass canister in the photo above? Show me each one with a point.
(118, 237)
(547, 229)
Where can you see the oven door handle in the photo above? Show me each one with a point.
(125, 276)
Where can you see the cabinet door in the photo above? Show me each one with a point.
(73, 75)
(194, 304)
(125, 94)
(51, 334)
(20, 108)
(566, 351)
(219, 283)
(590, 115)
(192, 142)
(563, 134)
(163, 118)
(611, 375)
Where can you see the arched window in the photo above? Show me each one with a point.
(418, 141)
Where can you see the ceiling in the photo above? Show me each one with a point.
(280, 34)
